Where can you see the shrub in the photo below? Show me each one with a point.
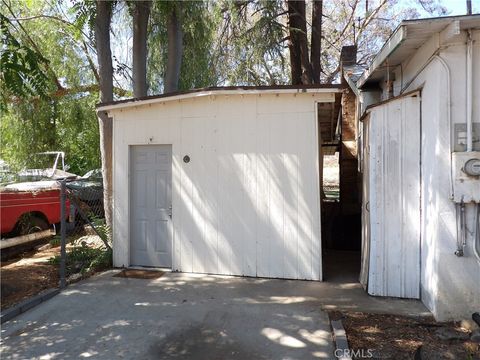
(83, 259)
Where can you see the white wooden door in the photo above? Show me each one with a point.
(150, 209)
(394, 198)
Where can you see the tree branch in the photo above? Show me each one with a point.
(90, 62)
(34, 45)
(93, 88)
(347, 25)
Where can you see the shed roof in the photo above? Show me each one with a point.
(409, 36)
(226, 90)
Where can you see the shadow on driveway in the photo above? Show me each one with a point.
(178, 316)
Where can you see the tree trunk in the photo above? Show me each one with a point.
(298, 37)
(316, 40)
(104, 58)
(141, 13)
(175, 49)
(104, 53)
(293, 45)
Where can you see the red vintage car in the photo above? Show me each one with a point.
(29, 207)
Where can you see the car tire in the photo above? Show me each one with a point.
(30, 223)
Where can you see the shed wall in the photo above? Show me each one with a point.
(248, 201)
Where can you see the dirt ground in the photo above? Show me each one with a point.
(399, 337)
(27, 275)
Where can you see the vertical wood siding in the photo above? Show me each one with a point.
(365, 258)
(394, 198)
(248, 201)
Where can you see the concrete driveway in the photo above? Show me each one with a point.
(178, 316)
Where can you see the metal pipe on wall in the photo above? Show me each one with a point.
(476, 239)
(461, 229)
(449, 114)
(445, 66)
(469, 82)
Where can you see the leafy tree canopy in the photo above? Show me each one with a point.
(49, 72)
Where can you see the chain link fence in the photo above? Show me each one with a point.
(83, 232)
(59, 236)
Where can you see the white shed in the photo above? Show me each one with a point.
(221, 181)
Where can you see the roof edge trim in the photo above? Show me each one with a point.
(351, 84)
(217, 91)
(415, 92)
(388, 48)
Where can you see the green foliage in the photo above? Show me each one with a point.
(102, 229)
(24, 134)
(83, 259)
(199, 27)
(23, 72)
(250, 44)
(224, 43)
(46, 118)
(63, 124)
(78, 134)
(84, 13)
(55, 241)
(197, 69)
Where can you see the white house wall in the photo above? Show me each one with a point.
(248, 201)
(450, 285)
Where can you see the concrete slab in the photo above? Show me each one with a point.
(188, 316)
(342, 291)
(178, 316)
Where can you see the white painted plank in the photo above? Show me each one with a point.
(276, 194)
(290, 140)
(412, 215)
(249, 242)
(264, 236)
(186, 205)
(366, 206)
(224, 223)
(307, 208)
(231, 195)
(236, 192)
(199, 177)
(315, 197)
(394, 188)
(210, 199)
